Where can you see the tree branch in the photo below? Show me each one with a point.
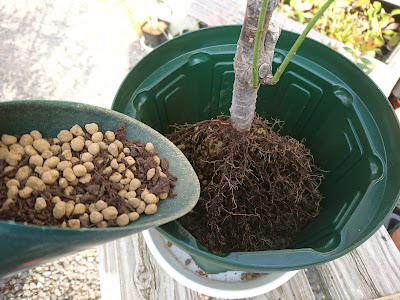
(244, 96)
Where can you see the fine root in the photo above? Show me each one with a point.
(259, 189)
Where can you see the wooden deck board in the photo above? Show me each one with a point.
(128, 271)
(370, 271)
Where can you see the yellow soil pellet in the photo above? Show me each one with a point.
(131, 194)
(74, 223)
(163, 196)
(67, 154)
(30, 150)
(17, 148)
(65, 136)
(26, 140)
(130, 160)
(100, 205)
(110, 136)
(133, 216)
(96, 217)
(102, 224)
(140, 209)
(63, 183)
(69, 190)
(35, 183)
(77, 130)
(87, 157)
(59, 210)
(113, 149)
(46, 154)
(134, 202)
(97, 137)
(55, 200)
(119, 144)
(35, 134)
(122, 220)
(12, 182)
(7, 204)
(134, 184)
(40, 203)
(85, 179)
(50, 177)
(92, 128)
(66, 146)
(121, 168)
(23, 172)
(151, 199)
(12, 158)
(3, 152)
(114, 164)
(144, 193)
(149, 147)
(94, 149)
(122, 193)
(89, 166)
(41, 145)
(69, 208)
(12, 192)
(36, 160)
(25, 193)
(79, 170)
(150, 209)
(110, 213)
(77, 144)
(51, 162)
(8, 139)
(79, 209)
(69, 174)
(62, 165)
(55, 149)
(115, 177)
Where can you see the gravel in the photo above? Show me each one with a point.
(73, 277)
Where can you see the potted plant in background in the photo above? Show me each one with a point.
(156, 21)
(347, 124)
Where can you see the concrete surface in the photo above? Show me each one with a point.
(65, 50)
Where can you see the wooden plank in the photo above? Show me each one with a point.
(370, 271)
(296, 288)
(129, 271)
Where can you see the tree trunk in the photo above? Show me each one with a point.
(244, 95)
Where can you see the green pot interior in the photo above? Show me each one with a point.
(323, 98)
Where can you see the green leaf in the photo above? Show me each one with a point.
(388, 32)
(367, 62)
(379, 41)
(347, 49)
(395, 12)
(394, 41)
(377, 6)
(362, 66)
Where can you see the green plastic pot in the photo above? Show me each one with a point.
(24, 246)
(346, 121)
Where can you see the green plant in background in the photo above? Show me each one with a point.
(364, 26)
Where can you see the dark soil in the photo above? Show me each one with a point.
(99, 188)
(259, 189)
